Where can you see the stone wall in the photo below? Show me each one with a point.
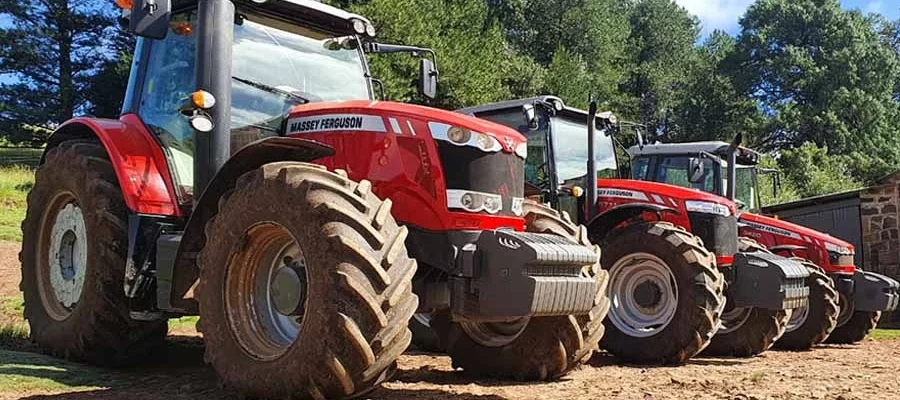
(879, 218)
(878, 210)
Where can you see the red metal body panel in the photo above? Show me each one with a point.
(401, 160)
(615, 192)
(774, 232)
(139, 163)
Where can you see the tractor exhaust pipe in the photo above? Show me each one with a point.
(591, 177)
(732, 166)
(213, 73)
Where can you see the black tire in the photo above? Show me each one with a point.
(97, 327)
(423, 337)
(697, 278)
(358, 282)
(548, 347)
(856, 328)
(821, 312)
(747, 332)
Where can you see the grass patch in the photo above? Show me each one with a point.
(183, 324)
(14, 332)
(886, 334)
(15, 182)
(23, 372)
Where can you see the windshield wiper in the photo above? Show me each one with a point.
(272, 89)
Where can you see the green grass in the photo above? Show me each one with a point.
(23, 372)
(886, 334)
(182, 324)
(15, 182)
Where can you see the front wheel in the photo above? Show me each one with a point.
(852, 326)
(747, 331)
(305, 285)
(666, 294)
(537, 348)
(814, 322)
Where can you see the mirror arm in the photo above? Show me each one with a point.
(380, 85)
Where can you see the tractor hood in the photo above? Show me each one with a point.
(799, 232)
(387, 116)
(658, 193)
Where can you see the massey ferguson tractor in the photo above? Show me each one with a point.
(252, 180)
(676, 276)
(844, 303)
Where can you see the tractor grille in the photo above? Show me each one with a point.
(719, 233)
(467, 168)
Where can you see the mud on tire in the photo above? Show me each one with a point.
(688, 329)
(96, 328)
(747, 331)
(358, 299)
(548, 347)
(820, 314)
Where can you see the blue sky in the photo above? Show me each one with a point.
(724, 14)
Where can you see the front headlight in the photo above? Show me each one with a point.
(522, 150)
(474, 201)
(464, 137)
(707, 207)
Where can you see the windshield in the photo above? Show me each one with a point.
(536, 161)
(674, 171)
(274, 65)
(570, 143)
(745, 189)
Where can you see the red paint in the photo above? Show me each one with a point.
(404, 166)
(813, 240)
(139, 163)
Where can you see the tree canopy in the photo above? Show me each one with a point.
(807, 82)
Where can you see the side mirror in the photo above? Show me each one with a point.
(428, 77)
(150, 18)
(695, 170)
(530, 117)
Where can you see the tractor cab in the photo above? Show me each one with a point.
(702, 166)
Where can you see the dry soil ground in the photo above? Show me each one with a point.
(870, 370)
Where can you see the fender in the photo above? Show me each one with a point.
(136, 156)
(602, 224)
(177, 278)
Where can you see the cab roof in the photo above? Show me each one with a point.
(307, 12)
(745, 156)
(566, 111)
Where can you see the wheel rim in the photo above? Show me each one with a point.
(798, 318)
(846, 310)
(733, 319)
(494, 334)
(63, 256)
(265, 291)
(643, 295)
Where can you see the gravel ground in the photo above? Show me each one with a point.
(865, 371)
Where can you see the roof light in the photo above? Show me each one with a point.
(124, 4)
(370, 30)
(359, 26)
(201, 122)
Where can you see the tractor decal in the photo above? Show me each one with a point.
(330, 122)
(772, 230)
(622, 194)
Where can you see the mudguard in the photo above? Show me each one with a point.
(136, 156)
(768, 281)
(604, 223)
(875, 292)
(176, 275)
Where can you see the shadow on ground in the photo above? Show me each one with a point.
(180, 373)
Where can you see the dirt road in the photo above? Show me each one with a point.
(870, 370)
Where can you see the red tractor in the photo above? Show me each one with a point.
(253, 181)
(671, 252)
(860, 295)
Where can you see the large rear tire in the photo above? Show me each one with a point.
(666, 294)
(305, 285)
(74, 245)
(812, 324)
(539, 348)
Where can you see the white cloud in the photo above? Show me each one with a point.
(716, 14)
